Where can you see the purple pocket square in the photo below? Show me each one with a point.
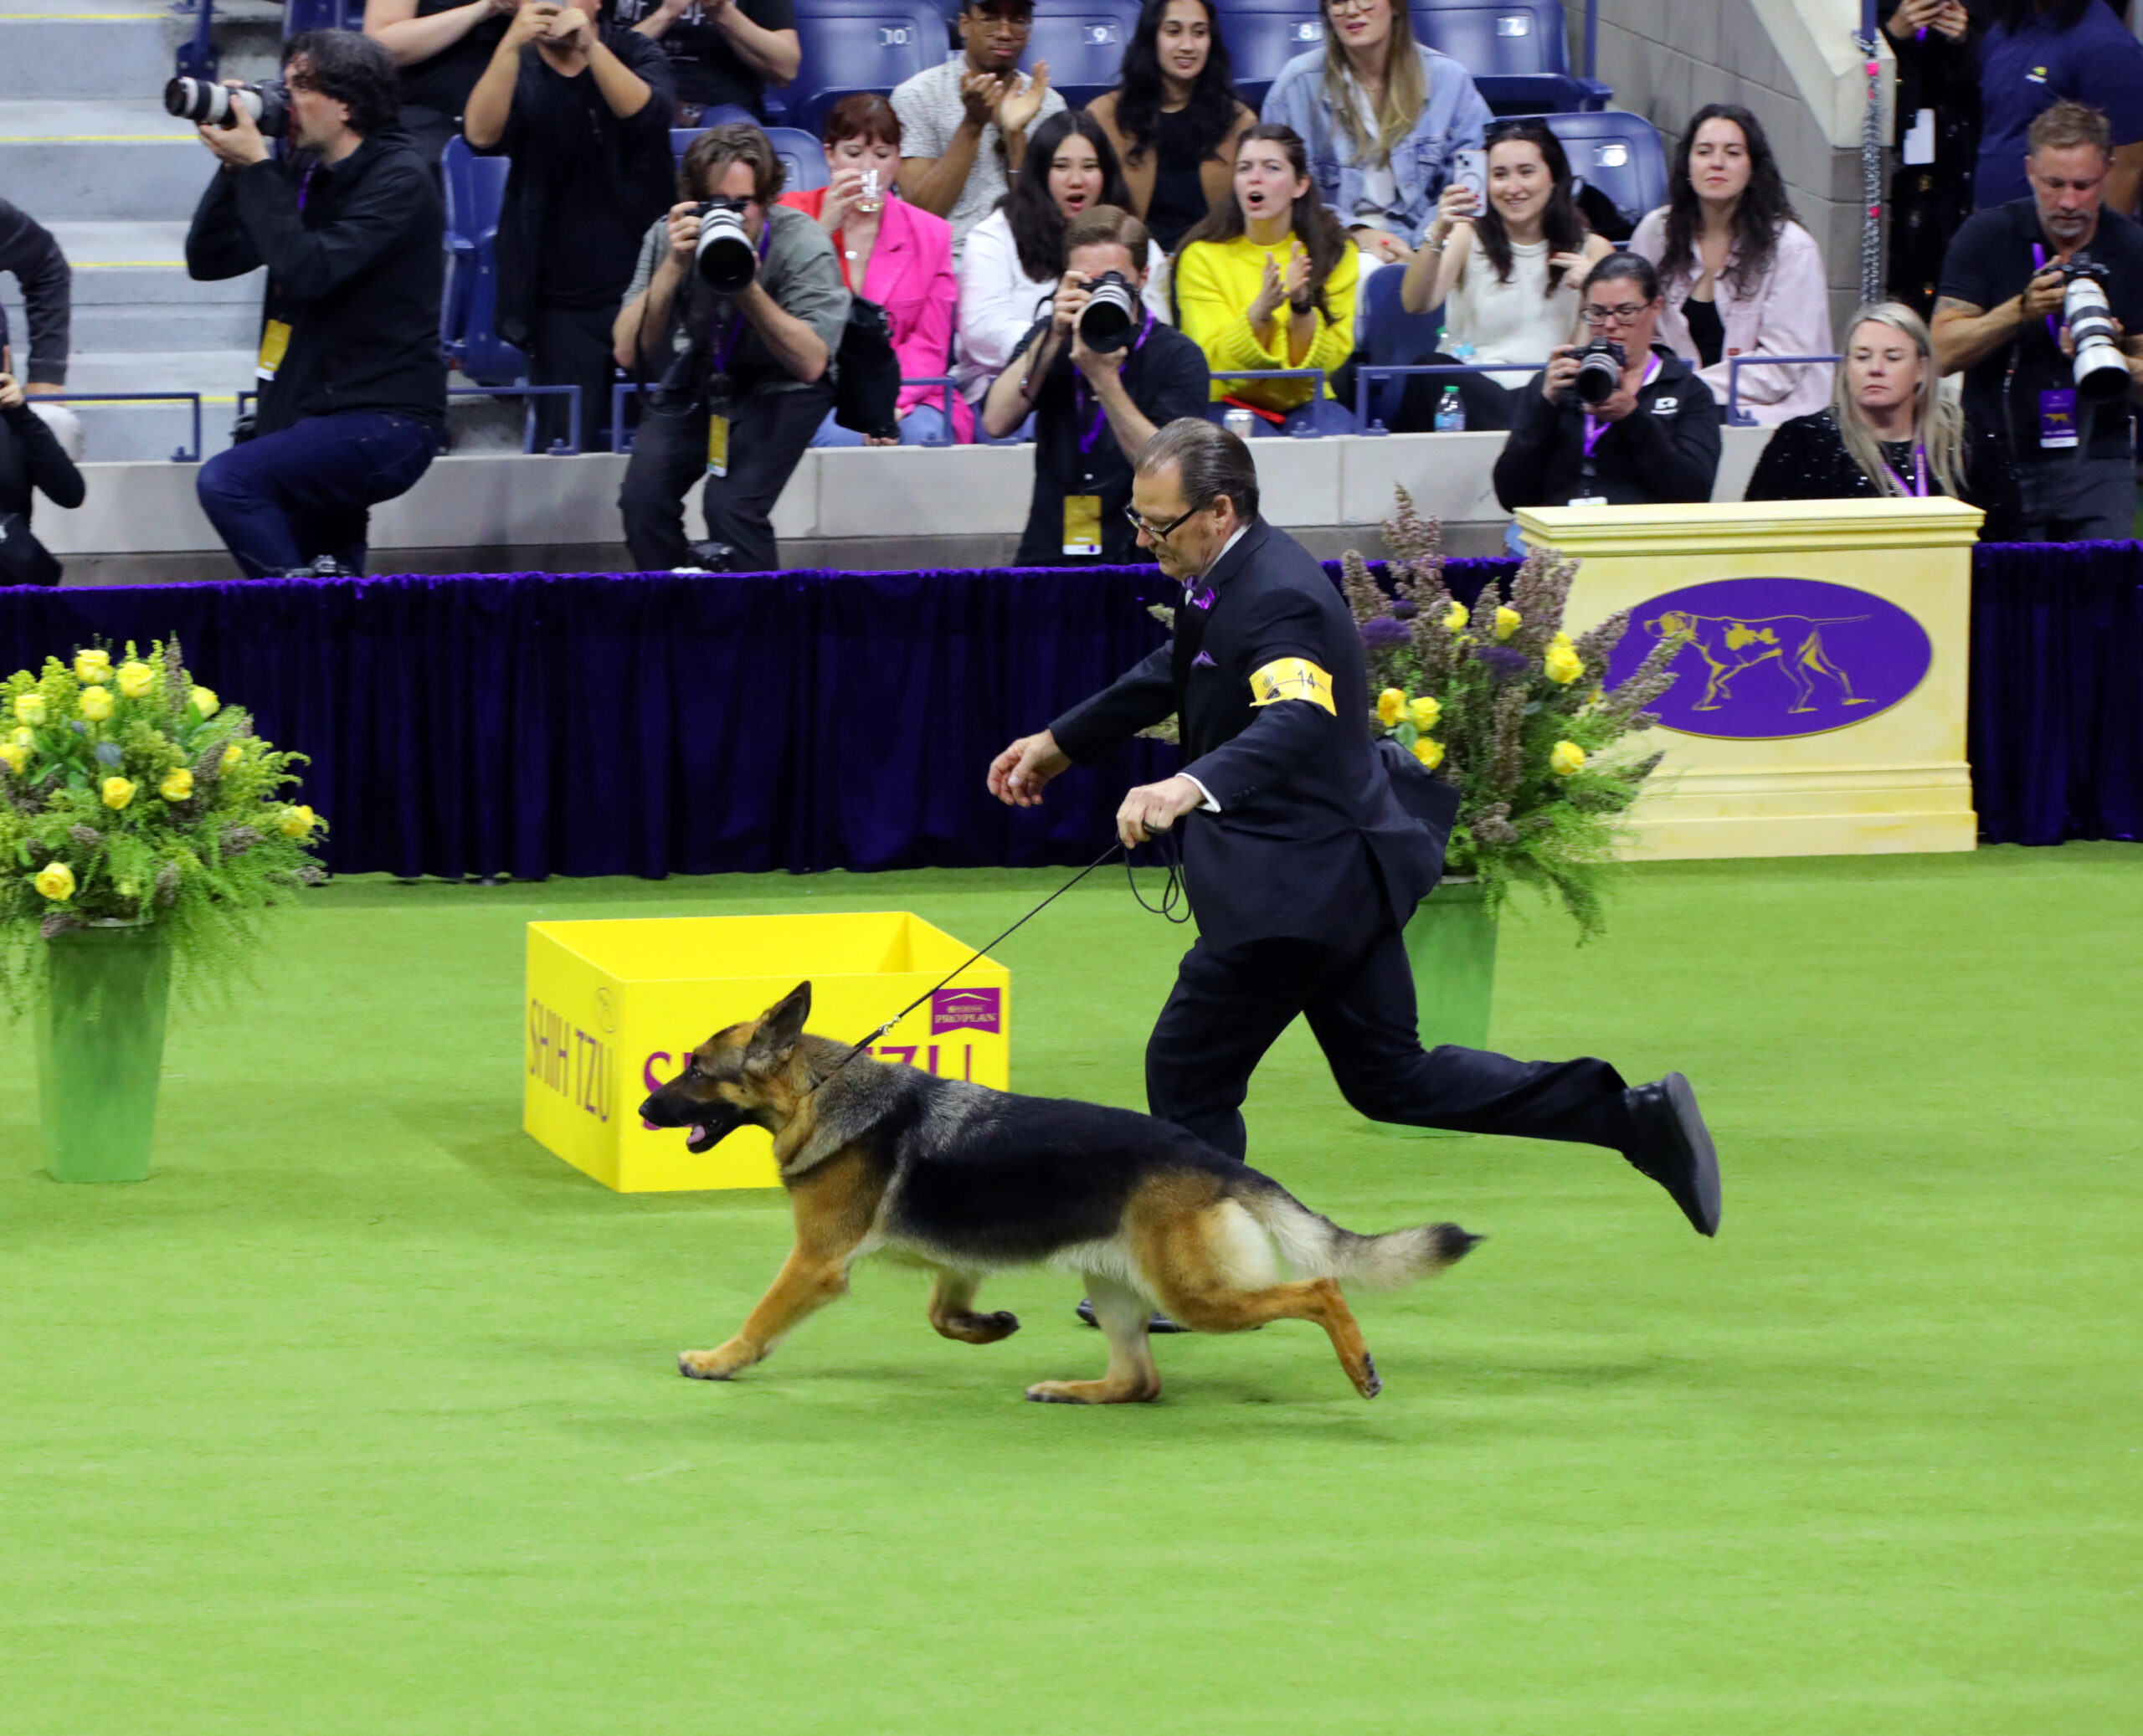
(1205, 658)
(1201, 599)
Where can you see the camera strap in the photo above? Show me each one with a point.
(1080, 395)
(1594, 428)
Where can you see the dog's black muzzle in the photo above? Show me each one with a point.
(706, 1124)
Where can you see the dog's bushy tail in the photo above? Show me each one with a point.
(1319, 1248)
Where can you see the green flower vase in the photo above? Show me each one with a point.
(100, 1049)
(1451, 944)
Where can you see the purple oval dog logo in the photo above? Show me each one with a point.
(1772, 657)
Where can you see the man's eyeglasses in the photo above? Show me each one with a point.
(1158, 532)
(1597, 317)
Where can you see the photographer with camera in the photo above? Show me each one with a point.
(349, 225)
(1619, 420)
(738, 306)
(2037, 299)
(1099, 374)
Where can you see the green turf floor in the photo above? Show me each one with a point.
(360, 1419)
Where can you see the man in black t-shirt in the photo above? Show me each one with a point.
(1092, 411)
(583, 110)
(1998, 320)
(721, 51)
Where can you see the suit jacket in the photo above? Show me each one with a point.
(1266, 674)
(910, 275)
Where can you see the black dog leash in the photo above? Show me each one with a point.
(1173, 895)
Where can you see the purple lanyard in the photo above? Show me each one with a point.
(1087, 440)
(1594, 429)
(1918, 470)
(305, 185)
(2038, 264)
(736, 319)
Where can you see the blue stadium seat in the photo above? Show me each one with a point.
(1516, 50)
(1263, 36)
(856, 45)
(299, 15)
(1617, 155)
(1392, 337)
(802, 156)
(1083, 42)
(475, 195)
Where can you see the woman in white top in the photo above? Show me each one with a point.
(1507, 275)
(1014, 256)
(1740, 276)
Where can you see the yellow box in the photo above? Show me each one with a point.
(613, 1008)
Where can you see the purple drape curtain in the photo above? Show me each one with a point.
(651, 724)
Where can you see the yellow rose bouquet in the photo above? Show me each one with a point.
(130, 793)
(1498, 700)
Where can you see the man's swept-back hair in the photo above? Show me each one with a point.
(354, 70)
(708, 156)
(1104, 224)
(1208, 460)
(2067, 123)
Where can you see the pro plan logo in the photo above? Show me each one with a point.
(967, 1009)
(1763, 659)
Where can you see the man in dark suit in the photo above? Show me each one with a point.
(1306, 848)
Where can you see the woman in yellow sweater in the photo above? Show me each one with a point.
(1268, 281)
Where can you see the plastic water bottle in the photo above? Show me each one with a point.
(1450, 413)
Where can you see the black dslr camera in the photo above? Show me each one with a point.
(208, 103)
(1600, 366)
(726, 260)
(1112, 310)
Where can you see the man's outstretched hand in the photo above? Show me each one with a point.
(1017, 775)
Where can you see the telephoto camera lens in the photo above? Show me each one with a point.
(2101, 370)
(1599, 372)
(208, 103)
(1112, 309)
(727, 261)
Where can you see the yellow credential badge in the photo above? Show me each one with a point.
(275, 345)
(1292, 678)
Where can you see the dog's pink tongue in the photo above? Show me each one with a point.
(697, 1132)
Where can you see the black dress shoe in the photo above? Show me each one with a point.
(1159, 1323)
(1671, 1145)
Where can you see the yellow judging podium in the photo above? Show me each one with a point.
(614, 1009)
(1818, 707)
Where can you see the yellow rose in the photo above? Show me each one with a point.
(1561, 638)
(205, 701)
(177, 786)
(118, 792)
(232, 755)
(91, 666)
(29, 708)
(1423, 712)
(1429, 753)
(297, 822)
(1454, 617)
(1567, 758)
(13, 756)
(1390, 704)
(136, 680)
(56, 880)
(1563, 665)
(1508, 620)
(96, 703)
(24, 738)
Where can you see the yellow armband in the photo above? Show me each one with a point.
(1292, 678)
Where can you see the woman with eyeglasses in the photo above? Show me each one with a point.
(1268, 281)
(1014, 256)
(1506, 274)
(1890, 433)
(1383, 117)
(1741, 277)
(1176, 119)
(1646, 435)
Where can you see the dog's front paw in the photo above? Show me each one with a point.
(723, 1364)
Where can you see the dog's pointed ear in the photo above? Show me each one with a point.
(778, 1028)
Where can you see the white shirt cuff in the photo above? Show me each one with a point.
(1209, 805)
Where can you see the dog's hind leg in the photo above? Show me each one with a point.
(952, 1311)
(1121, 1313)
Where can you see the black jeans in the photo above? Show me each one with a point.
(2068, 499)
(283, 500)
(1230, 1005)
(768, 432)
(571, 347)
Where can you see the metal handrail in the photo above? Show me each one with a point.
(198, 59)
(184, 455)
(1367, 373)
(558, 448)
(621, 436)
(1736, 417)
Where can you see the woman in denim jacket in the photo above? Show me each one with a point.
(1383, 118)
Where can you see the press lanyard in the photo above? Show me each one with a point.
(305, 185)
(1079, 394)
(1594, 428)
(1918, 470)
(2038, 264)
(736, 319)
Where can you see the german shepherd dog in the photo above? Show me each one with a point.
(967, 1181)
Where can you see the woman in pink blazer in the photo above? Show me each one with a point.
(1740, 276)
(896, 254)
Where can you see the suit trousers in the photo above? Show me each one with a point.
(1230, 1005)
(769, 434)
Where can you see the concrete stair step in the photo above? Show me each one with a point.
(101, 158)
(129, 262)
(120, 50)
